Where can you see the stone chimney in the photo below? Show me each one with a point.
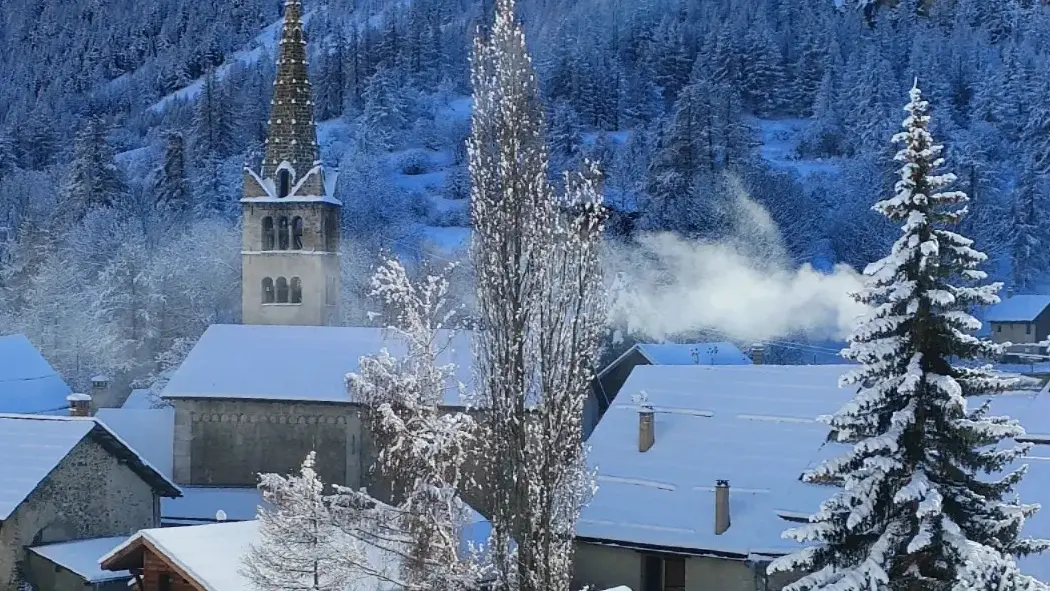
(646, 428)
(79, 405)
(721, 506)
(758, 353)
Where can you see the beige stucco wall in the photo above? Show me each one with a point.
(604, 567)
(90, 494)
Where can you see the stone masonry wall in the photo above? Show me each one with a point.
(89, 494)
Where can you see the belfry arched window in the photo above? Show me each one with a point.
(297, 291)
(268, 237)
(284, 182)
(267, 291)
(297, 233)
(282, 290)
(282, 233)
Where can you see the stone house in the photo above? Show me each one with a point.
(67, 479)
(696, 485)
(1023, 320)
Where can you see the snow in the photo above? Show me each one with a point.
(265, 42)
(447, 239)
(211, 554)
(30, 448)
(723, 353)
(780, 138)
(82, 557)
(225, 362)
(150, 432)
(665, 496)
(201, 503)
(1019, 308)
(139, 399)
(28, 383)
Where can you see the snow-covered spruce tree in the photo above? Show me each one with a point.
(94, 180)
(535, 258)
(172, 181)
(914, 511)
(422, 450)
(300, 547)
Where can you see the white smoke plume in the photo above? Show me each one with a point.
(742, 286)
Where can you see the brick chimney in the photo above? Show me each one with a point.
(79, 405)
(758, 353)
(721, 506)
(646, 428)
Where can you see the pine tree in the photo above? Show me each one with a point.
(565, 133)
(94, 180)
(172, 182)
(914, 512)
(1029, 259)
(300, 547)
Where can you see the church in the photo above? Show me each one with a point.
(257, 397)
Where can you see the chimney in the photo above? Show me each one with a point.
(758, 353)
(721, 506)
(100, 392)
(79, 405)
(646, 428)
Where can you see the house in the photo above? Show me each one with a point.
(704, 506)
(1023, 320)
(252, 399)
(150, 431)
(68, 479)
(74, 565)
(608, 382)
(28, 383)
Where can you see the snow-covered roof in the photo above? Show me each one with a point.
(212, 554)
(150, 432)
(722, 353)
(306, 363)
(138, 399)
(31, 446)
(28, 383)
(1018, 308)
(82, 557)
(752, 425)
(200, 504)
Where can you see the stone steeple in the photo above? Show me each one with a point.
(292, 137)
(290, 227)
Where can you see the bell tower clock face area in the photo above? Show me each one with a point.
(290, 224)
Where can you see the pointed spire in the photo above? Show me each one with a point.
(292, 136)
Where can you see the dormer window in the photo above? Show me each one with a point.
(284, 182)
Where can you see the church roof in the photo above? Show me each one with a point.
(292, 363)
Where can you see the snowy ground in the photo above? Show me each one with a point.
(780, 138)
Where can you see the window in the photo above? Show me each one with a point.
(282, 233)
(282, 290)
(165, 582)
(329, 292)
(267, 291)
(1028, 329)
(998, 328)
(297, 233)
(267, 233)
(663, 573)
(284, 182)
(330, 236)
(297, 290)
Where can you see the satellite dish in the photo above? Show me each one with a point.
(220, 515)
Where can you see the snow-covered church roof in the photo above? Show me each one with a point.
(28, 383)
(292, 363)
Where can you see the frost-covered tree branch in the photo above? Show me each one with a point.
(422, 448)
(540, 310)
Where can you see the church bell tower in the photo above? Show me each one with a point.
(290, 231)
